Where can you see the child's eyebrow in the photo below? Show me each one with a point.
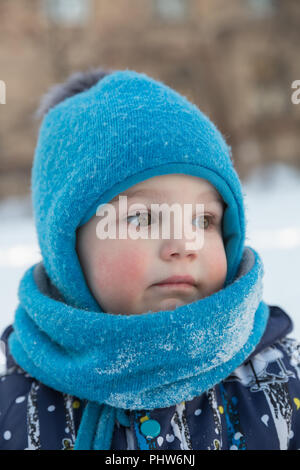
(160, 194)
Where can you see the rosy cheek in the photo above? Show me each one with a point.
(218, 267)
(121, 269)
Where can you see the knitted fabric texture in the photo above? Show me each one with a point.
(145, 361)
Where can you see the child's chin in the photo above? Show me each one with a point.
(170, 304)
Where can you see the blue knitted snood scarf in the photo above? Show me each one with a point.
(145, 361)
(91, 147)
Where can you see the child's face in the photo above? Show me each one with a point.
(121, 273)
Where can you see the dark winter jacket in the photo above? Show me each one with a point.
(256, 407)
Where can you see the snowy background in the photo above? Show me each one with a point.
(272, 200)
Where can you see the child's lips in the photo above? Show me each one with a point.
(175, 286)
(178, 279)
(177, 283)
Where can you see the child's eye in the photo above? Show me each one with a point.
(142, 217)
(205, 221)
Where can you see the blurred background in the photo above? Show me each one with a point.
(235, 59)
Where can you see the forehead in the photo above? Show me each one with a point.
(173, 186)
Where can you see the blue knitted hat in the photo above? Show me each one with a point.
(94, 145)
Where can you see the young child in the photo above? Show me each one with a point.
(142, 342)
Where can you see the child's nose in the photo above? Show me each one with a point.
(177, 248)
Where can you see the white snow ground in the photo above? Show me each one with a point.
(272, 200)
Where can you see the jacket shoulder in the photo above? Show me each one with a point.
(270, 381)
(32, 415)
(285, 353)
(15, 389)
